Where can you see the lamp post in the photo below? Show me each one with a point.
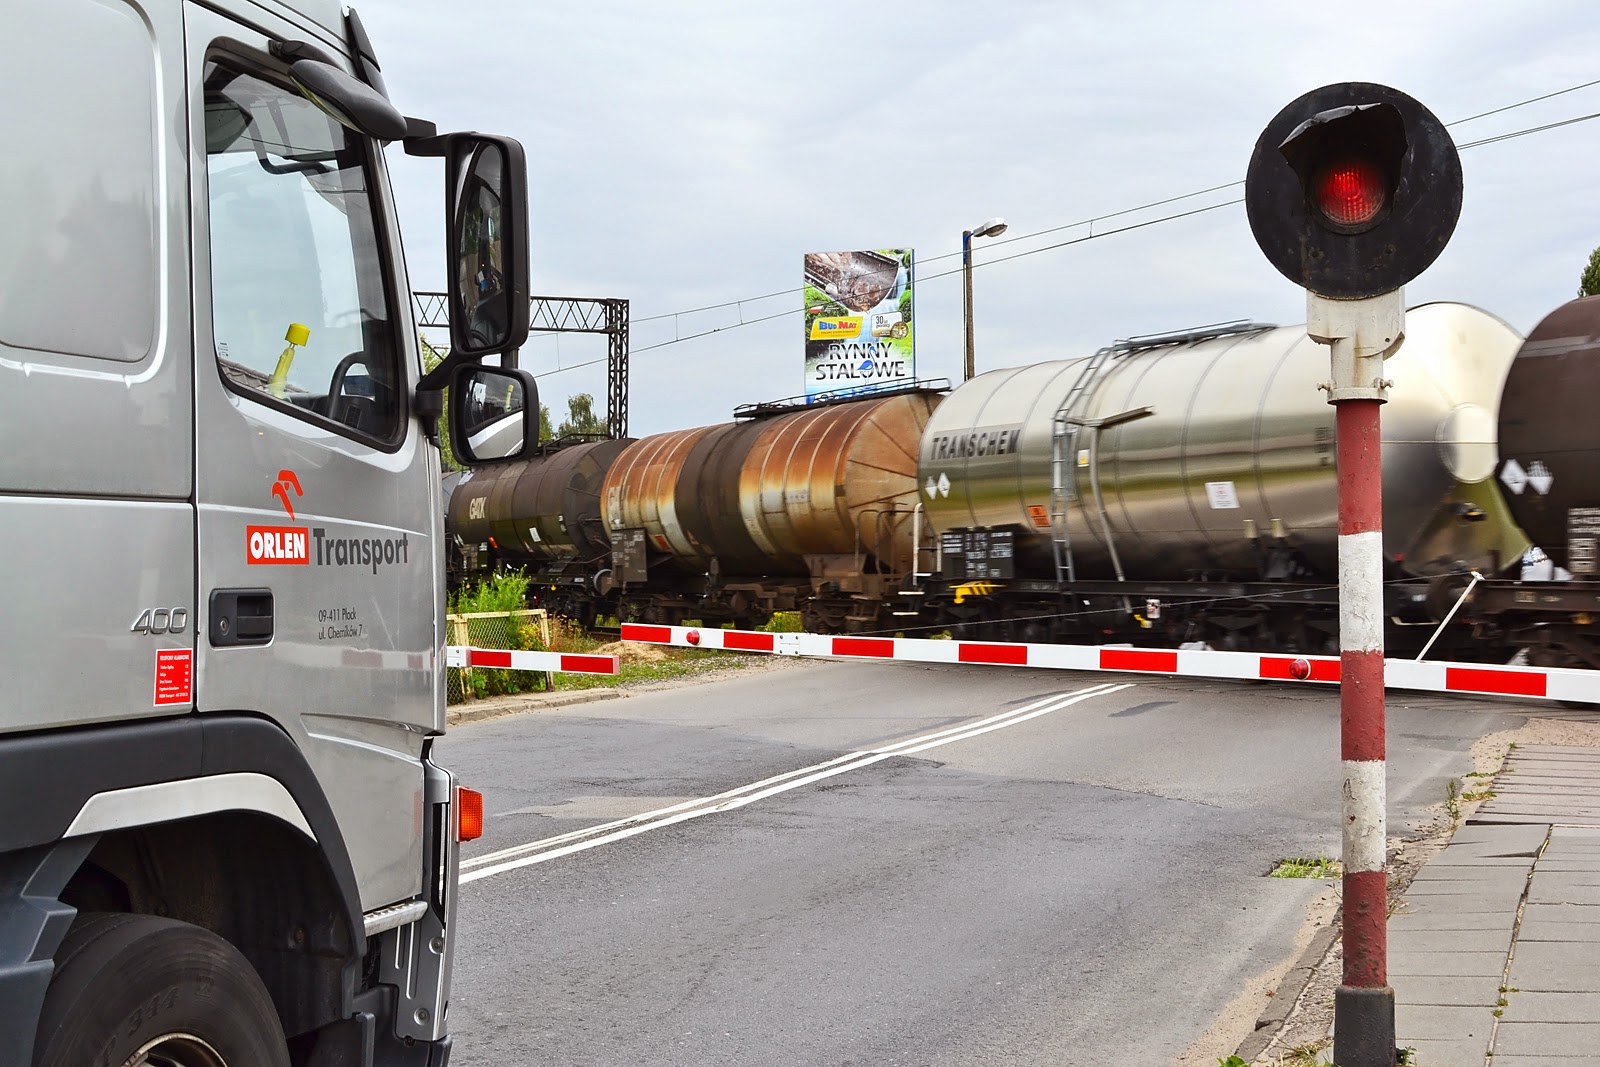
(992, 228)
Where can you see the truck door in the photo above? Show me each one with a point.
(317, 494)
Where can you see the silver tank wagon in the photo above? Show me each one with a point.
(1213, 453)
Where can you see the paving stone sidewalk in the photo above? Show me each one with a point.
(1494, 951)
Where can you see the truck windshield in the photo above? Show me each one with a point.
(299, 309)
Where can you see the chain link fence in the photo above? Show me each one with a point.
(521, 631)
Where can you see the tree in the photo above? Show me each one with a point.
(581, 417)
(1589, 284)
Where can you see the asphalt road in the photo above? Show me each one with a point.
(1081, 880)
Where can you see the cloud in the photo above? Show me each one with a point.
(680, 160)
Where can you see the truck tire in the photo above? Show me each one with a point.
(142, 991)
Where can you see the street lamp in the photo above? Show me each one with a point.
(992, 228)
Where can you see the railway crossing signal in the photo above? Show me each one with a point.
(1352, 191)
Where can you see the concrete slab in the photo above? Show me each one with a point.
(1476, 992)
(1502, 839)
(1550, 1040)
(1467, 861)
(1432, 1022)
(1488, 818)
(1499, 922)
(1554, 967)
(1577, 836)
(1588, 933)
(1484, 869)
(1507, 882)
(1584, 790)
(1450, 1053)
(1544, 1061)
(1403, 964)
(1535, 1007)
(1561, 913)
(1403, 940)
(1503, 904)
(1558, 889)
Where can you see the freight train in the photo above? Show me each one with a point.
(1165, 490)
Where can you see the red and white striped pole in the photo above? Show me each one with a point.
(1360, 334)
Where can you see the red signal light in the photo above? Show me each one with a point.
(1351, 192)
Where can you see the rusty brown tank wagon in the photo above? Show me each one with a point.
(543, 511)
(791, 506)
(811, 507)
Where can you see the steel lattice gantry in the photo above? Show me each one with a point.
(565, 314)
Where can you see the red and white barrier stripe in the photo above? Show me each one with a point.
(559, 662)
(1427, 676)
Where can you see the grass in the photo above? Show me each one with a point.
(679, 663)
(1306, 867)
(566, 636)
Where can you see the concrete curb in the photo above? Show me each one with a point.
(1288, 993)
(478, 711)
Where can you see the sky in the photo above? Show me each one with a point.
(689, 154)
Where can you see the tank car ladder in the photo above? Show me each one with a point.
(1063, 453)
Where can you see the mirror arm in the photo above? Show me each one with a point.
(435, 380)
(429, 405)
(423, 138)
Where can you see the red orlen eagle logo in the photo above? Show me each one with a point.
(287, 481)
(279, 544)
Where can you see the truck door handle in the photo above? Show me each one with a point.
(240, 617)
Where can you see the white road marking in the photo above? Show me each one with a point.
(550, 848)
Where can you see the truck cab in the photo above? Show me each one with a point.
(223, 839)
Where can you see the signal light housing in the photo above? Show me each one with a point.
(469, 814)
(1353, 190)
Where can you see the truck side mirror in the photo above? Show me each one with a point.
(488, 243)
(494, 413)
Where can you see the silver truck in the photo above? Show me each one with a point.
(222, 838)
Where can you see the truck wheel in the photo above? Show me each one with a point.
(142, 991)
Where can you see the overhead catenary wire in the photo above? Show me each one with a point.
(1089, 222)
(1159, 203)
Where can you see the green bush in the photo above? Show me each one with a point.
(503, 591)
(784, 622)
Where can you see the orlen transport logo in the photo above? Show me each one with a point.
(279, 544)
(276, 544)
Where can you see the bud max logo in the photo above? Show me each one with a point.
(836, 327)
(276, 544)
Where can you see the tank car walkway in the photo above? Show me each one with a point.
(1494, 951)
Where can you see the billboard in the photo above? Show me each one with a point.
(859, 334)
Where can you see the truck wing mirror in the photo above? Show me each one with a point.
(488, 244)
(494, 413)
